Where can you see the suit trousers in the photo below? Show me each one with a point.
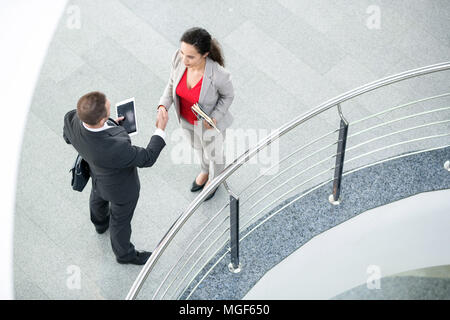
(208, 145)
(118, 216)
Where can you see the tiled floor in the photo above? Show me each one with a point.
(286, 57)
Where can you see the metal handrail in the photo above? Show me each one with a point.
(399, 107)
(398, 119)
(397, 132)
(397, 144)
(246, 156)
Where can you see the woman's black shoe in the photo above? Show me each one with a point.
(196, 187)
(211, 195)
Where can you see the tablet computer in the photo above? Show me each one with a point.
(127, 109)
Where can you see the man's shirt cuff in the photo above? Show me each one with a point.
(160, 133)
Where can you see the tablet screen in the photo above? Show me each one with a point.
(127, 109)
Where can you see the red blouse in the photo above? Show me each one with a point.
(188, 97)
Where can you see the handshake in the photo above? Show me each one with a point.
(162, 118)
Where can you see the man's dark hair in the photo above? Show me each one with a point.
(91, 108)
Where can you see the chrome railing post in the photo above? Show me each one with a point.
(342, 141)
(234, 266)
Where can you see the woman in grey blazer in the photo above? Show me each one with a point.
(198, 75)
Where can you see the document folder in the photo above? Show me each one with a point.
(198, 111)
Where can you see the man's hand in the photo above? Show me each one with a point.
(206, 124)
(118, 120)
(162, 118)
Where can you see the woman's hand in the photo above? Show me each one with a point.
(206, 124)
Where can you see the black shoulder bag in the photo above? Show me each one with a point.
(80, 174)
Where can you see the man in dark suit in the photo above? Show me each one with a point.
(113, 162)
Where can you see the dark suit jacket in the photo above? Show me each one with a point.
(112, 159)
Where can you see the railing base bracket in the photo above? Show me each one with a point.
(334, 202)
(234, 269)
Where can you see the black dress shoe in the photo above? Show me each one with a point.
(140, 258)
(211, 195)
(196, 187)
(102, 230)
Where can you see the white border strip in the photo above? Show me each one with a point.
(26, 30)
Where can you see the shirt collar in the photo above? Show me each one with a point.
(105, 126)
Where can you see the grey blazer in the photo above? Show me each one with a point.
(216, 94)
